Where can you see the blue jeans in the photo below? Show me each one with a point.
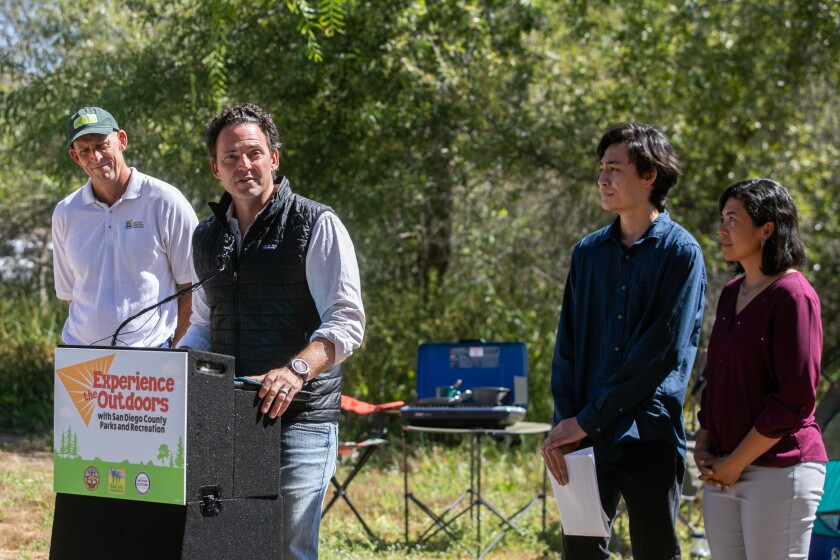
(308, 455)
(649, 477)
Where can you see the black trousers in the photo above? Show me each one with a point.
(649, 477)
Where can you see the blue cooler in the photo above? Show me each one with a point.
(477, 368)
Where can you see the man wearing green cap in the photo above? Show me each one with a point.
(121, 243)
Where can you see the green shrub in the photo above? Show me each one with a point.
(29, 332)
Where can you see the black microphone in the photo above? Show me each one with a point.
(222, 260)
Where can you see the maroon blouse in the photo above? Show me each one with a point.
(762, 370)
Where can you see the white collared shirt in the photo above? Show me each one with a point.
(114, 261)
(332, 274)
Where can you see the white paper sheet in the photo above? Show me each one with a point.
(578, 501)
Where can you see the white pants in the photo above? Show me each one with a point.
(768, 514)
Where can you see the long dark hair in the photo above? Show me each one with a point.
(765, 201)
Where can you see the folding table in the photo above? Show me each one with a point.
(470, 500)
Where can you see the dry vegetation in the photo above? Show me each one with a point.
(26, 498)
(438, 475)
(26, 504)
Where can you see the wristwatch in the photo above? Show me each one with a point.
(300, 368)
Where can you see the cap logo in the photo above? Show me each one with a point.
(85, 119)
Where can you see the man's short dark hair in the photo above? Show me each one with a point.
(649, 150)
(765, 201)
(244, 113)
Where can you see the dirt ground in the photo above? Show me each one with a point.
(26, 498)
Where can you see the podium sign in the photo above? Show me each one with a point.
(120, 423)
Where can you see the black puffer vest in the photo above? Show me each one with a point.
(261, 311)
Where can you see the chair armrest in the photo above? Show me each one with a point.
(360, 407)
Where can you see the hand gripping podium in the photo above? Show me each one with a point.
(157, 455)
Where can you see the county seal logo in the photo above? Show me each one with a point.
(91, 478)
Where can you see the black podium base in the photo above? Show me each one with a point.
(88, 527)
(232, 486)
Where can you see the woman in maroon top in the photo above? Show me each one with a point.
(759, 449)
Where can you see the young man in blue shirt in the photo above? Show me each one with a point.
(626, 342)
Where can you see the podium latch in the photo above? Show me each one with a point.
(211, 502)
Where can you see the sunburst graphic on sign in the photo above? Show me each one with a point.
(78, 380)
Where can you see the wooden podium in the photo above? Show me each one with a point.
(222, 474)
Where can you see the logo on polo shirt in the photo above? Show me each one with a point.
(133, 224)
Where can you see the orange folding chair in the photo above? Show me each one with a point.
(365, 449)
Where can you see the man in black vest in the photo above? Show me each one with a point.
(287, 306)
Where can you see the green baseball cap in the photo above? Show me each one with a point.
(90, 120)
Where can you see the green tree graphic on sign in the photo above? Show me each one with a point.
(69, 446)
(163, 453)
(179, 454)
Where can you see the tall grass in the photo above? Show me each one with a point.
(438, 471)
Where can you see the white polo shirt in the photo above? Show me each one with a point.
(114, 261)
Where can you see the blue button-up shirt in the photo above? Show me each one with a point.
(628, 334)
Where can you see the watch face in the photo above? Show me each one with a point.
(300, 366)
